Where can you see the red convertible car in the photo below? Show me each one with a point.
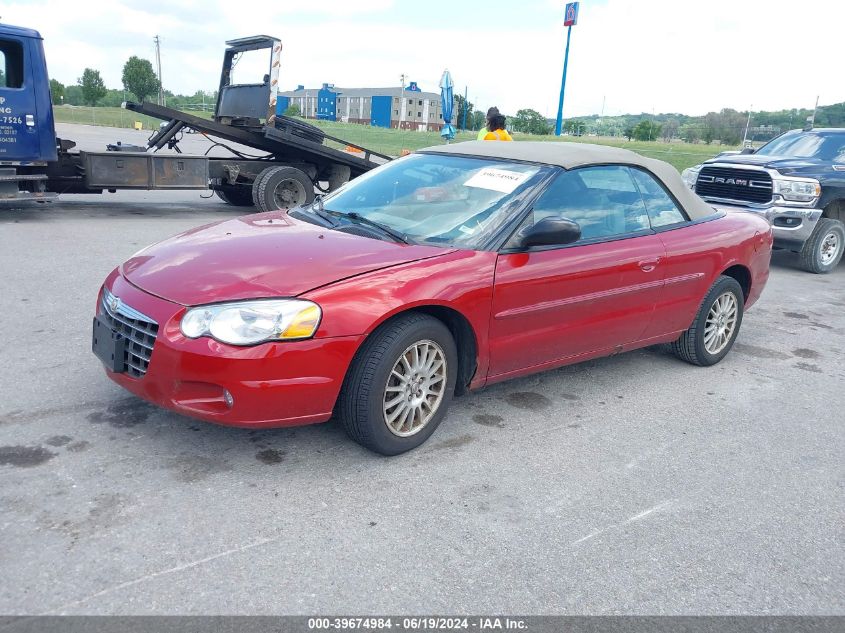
(444, 271)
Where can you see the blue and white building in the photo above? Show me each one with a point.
(406, 108)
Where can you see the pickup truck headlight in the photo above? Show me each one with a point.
(690, 175)
(251, 322)
(797, 190)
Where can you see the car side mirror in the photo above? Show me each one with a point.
(551, 231)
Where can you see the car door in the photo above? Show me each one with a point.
(556, 303)
(19, 139)
(690, 259)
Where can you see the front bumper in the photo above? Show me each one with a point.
(791, 226)
(271, 385)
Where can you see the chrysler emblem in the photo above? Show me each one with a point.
(114, 303)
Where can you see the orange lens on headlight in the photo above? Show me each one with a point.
(304, 324)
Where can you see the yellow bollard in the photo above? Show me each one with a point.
(138, 125)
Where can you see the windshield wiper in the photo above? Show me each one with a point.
(316, 208)
(357, 217)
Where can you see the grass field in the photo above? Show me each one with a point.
(392, 142)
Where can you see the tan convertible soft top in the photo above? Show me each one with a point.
(571, 155)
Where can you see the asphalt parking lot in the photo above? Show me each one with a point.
(633, 484)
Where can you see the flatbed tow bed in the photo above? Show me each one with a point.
(297, 157)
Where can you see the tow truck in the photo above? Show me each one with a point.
(293, 157)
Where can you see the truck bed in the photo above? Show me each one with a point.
(284, 139)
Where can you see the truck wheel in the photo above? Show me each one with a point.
(238, 196)
(822, 252)
(400, 384)
(282, 188)
(715, 328)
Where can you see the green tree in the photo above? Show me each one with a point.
(690, 132)
(670, 129)
(628, 133)
(574, 127)
(2, 78)
(460, 105)
(530, 122)
(57, 91)
(293, 110)
(479, 120)
(139, 78)
(93, 88)
(710, 129)
(647, 130)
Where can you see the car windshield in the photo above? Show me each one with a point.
(805, 145)
(436, 199)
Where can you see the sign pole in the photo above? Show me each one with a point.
(570, 20)
(559, 123)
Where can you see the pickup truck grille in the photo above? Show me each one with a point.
(139, 330)
(743, 185)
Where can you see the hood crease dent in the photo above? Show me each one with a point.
(260, 256)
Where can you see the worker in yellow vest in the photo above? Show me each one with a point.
(496, 130)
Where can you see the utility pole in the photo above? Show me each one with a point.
(747, 124)
(816, 107)
(464, 122)
(157, 40)
(402, 78)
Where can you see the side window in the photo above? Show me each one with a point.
(661, 208)
(11, 64)
(604, 201)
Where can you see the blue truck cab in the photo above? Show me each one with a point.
(27, 130)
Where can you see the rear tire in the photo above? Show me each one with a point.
(236, 195)
(715, 327)
(823, 251)
(400, 384)
(282, 188)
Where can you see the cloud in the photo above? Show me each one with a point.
(661, 55)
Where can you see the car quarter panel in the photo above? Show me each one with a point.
(697, 254)
(460, 280)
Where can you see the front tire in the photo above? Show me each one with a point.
(400, 384)
(823, 251)
(716, 326)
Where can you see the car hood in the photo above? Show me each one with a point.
(258, 256)
(780, 163)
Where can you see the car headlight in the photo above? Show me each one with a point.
(251, 322)
(798, 190)
(690, 175)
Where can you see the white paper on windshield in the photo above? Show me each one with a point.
(497, 180)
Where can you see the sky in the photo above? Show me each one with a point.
(625, 57)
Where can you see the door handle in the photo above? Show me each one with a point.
(647, 265)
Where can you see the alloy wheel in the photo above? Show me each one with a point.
(721, 322)
(415, 388)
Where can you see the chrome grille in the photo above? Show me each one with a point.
(728, 183)
(138, 329)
